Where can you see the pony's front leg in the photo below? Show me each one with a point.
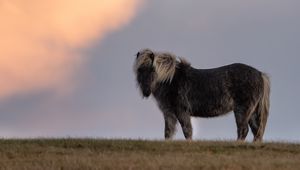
(170, 125)
(186, 125)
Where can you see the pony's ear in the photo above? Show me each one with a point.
(165, 66)
(137, 55)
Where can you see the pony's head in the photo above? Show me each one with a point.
(152, 68)
(144, 70)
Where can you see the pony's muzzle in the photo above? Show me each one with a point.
(146, 92)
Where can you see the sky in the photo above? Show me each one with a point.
(66, 68)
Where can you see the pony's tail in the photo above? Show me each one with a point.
(263, 108)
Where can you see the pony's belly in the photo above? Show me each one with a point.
(217, 111)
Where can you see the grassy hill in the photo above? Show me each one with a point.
(140, 154)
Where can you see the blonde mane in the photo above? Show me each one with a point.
(165, 66)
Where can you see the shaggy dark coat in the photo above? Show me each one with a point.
(182, 91)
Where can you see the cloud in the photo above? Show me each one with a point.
(41, 40)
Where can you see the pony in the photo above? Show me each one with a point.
(182, 91)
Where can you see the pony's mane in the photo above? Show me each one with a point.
(184, 62)
(165, 66)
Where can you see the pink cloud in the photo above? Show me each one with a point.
(41, 40)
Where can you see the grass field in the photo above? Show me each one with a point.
(141, 154)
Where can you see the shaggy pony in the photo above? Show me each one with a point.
(182, 91)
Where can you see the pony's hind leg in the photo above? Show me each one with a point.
(257, 126)
(254, 123)
(242, 115)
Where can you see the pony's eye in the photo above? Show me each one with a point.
(137, 54)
